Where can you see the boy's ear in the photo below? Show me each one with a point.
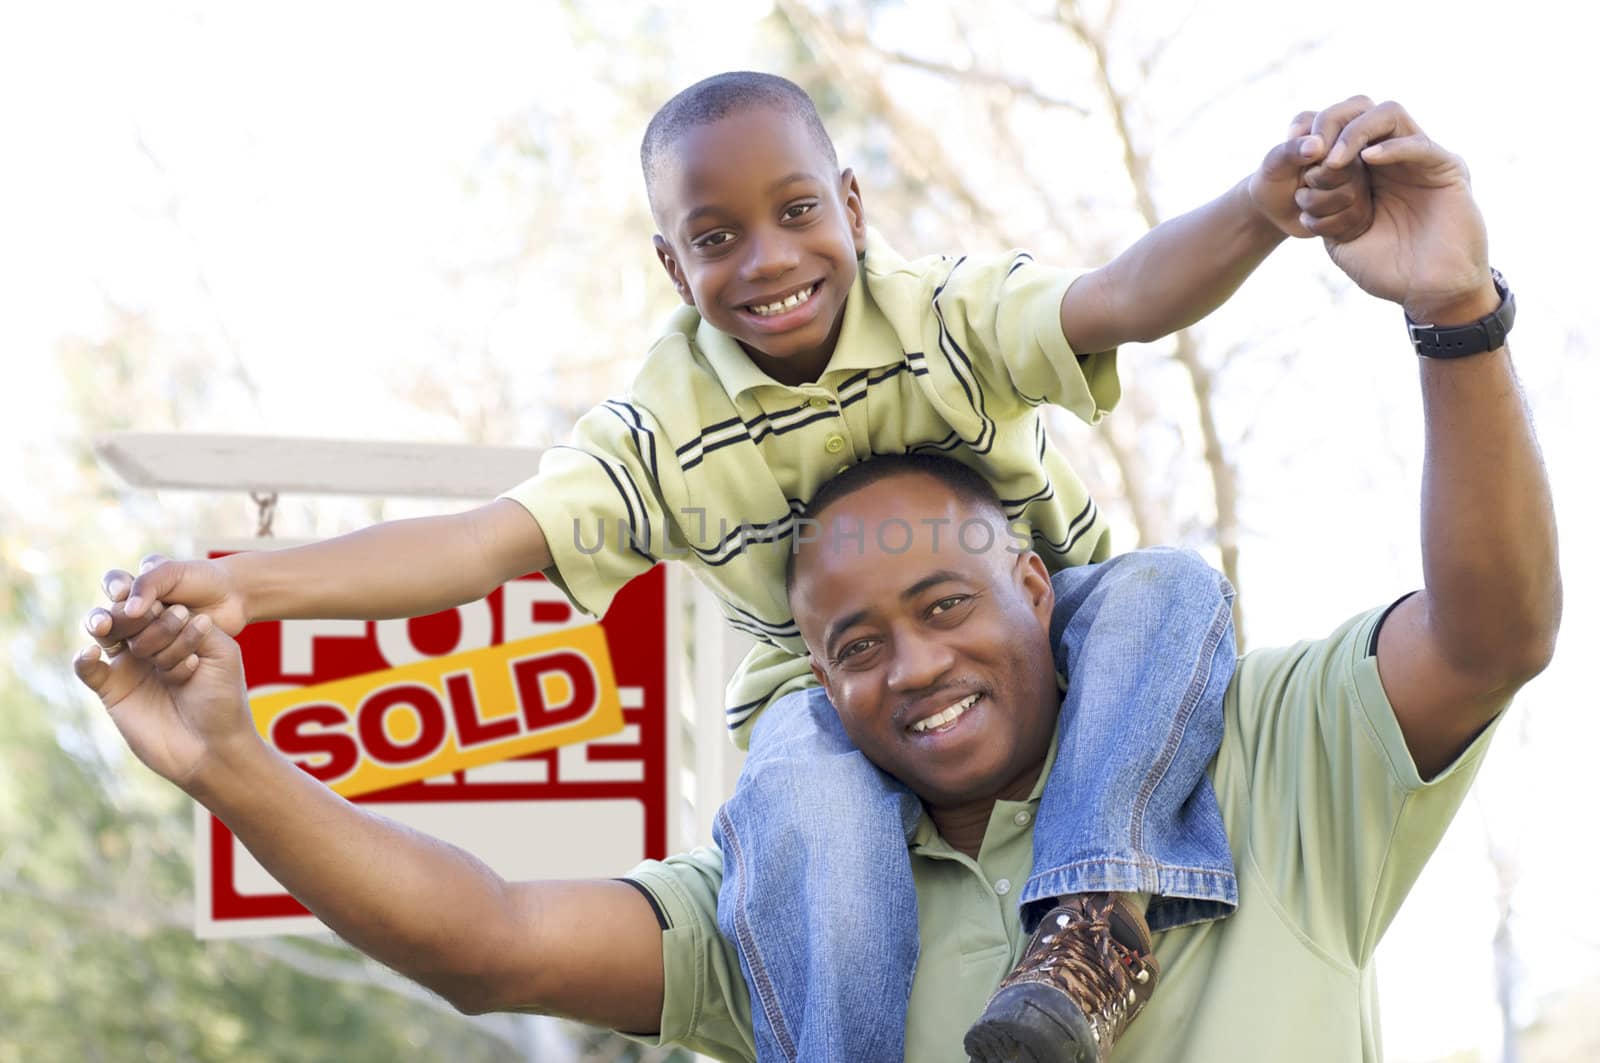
(670, 264)
(850, 195)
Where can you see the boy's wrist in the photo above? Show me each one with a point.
(1258, 220)
(237, 567)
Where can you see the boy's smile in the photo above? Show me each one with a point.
(760, 233)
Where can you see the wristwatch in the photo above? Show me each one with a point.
(1488, 333)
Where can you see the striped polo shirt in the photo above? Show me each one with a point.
(709, 461)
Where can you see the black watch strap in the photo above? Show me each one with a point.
(1485, 334)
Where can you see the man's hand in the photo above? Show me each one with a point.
(1303, 198)
(206, 587)
(177, 694)
(1426, 248)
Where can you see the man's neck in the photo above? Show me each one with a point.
(963, 826)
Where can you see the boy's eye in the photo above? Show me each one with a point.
(798, 210)
(716, 239)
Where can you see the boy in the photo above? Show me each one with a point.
(805, 345)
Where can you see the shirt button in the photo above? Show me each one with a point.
(1003, 887)
(819, 403)
(1021, 818)
(834, 444)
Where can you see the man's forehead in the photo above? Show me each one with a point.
(868, 552)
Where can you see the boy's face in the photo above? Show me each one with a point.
(760, 234)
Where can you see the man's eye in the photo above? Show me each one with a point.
(798, 210)
(853, 648)
(944, 605)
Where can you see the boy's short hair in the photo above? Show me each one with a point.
(961, 480)
(717, 97)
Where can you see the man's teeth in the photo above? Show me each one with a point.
(939, 719)
(781, 305)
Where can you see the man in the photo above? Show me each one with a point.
(1341, 762)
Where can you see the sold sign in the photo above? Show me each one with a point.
(446, 714)
(513, 727)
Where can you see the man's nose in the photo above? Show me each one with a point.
(918, 663)
(769, 256)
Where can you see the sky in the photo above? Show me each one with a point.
(291, 182)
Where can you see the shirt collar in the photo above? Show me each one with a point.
(866, 339)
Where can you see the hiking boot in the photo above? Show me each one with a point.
(1086, 974)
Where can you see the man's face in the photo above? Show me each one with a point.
(760, 233)
(937, 657)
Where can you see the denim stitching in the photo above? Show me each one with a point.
(762, 981)
(1192, 869)
(1191, 699)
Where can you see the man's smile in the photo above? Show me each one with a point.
(942, 720)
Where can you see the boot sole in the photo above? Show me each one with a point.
(1030, 1023)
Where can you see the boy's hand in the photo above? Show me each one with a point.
(177, 694)
(204, 586)
(1299, 194)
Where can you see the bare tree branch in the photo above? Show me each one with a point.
(1224, 478)
(1210, 100)
(1152, 58)
(1134, 484)
(909, 151)
(964, 75)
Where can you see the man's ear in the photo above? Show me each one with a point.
(850, 196)
(670, 264)
(822, 676)
(1038, 591)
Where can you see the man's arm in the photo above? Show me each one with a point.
(1485, 623)
(400, 568)
(1186, 267)
(586, 950)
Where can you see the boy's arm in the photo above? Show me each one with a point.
(1188, 266)
(395, 569)
(588, 950)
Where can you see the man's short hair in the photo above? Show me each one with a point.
(717, 97)
(962, 481)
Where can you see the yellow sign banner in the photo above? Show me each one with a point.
(446, 714)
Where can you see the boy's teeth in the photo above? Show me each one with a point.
(939, 719)
(768, 309)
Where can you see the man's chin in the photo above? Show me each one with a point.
(954, 790)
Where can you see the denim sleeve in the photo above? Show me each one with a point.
(1340, 822)
(705, 1005)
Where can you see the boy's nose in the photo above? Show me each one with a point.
(770, 257)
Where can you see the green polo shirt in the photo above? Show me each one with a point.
(1330, 825)
(708, 460)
